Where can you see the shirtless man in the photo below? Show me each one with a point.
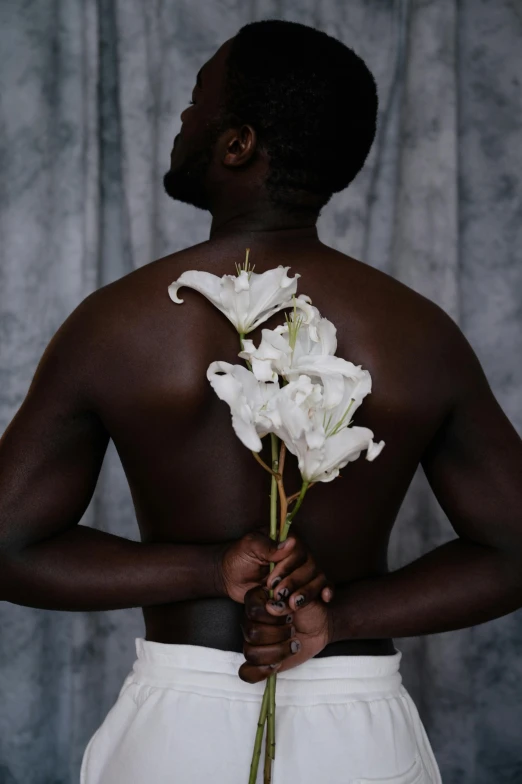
(130, 365)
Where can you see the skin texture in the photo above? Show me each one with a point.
(130, 365)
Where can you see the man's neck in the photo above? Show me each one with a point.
(262, 225)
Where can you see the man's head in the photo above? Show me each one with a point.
(282, 112)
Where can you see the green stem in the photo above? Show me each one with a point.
(270, 687)
(267, 713)
(273, 535)
(274, 441)
(262, 462)
(267, 777)
(271, 682)
(259, 737)
(290, 517)
(271, 716)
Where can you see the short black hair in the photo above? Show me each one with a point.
(312, 101)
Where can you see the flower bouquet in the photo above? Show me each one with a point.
(309, 413)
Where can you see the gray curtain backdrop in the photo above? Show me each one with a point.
(91, 93)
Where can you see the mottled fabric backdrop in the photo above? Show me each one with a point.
(91, 93)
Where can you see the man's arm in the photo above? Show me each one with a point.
(50, 459)
(474, 467)
(86, 569)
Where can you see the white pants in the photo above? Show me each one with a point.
(183, 716)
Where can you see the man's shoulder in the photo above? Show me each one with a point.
(412, 337)
(119, 325)
(389, 308)
(379, 283)
(396, 309)
(136, 287)
(125, 297)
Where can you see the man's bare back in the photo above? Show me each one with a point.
(130, 365)
(192, 481)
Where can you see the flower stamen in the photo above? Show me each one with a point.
(340, 423)
(245, 267)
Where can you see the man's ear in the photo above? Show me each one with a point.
(239, 145)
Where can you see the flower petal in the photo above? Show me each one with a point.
(273, 353)
(374, 450)
(315, 437)
(333, 390)
(263, 370)
(247, 398)
(326, 364)
(248, 349)
(340, 449)
(205, 282)
(246, 432)
(309, 461)
(268, 290)
(327, 333)
(226, 386)
(304, 303)
(235, 299)
(293, 416)
(337, 375)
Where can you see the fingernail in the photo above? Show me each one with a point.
(292, 631)
(275, 666)
(299, 600)
(282, 544)
(295, 646)
(289, 618)
(276, 582)
(278, 605)
(283, 593)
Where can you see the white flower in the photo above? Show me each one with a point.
(247, 299)
(247, 398)
(319, 437)
(298, 347)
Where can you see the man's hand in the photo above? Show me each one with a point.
(278, 636)
(244, 564)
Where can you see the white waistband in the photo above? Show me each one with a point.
(212, 670)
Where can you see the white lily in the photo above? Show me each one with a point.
(247, 398)
(321, 438)
(247, 299)
(311, 419)
(298, 347)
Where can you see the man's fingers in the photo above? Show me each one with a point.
(260, 655)
(289, 585)
(318, 588)
(290, 546)
(266, 549)
(265, 634)
(297, 558)
(268, 640)
(307, 593)
(255, 607)
(250, 674)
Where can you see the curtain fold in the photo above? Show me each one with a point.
(90, 97)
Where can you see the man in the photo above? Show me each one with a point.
(282, 117)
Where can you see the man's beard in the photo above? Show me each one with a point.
(187, 183)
